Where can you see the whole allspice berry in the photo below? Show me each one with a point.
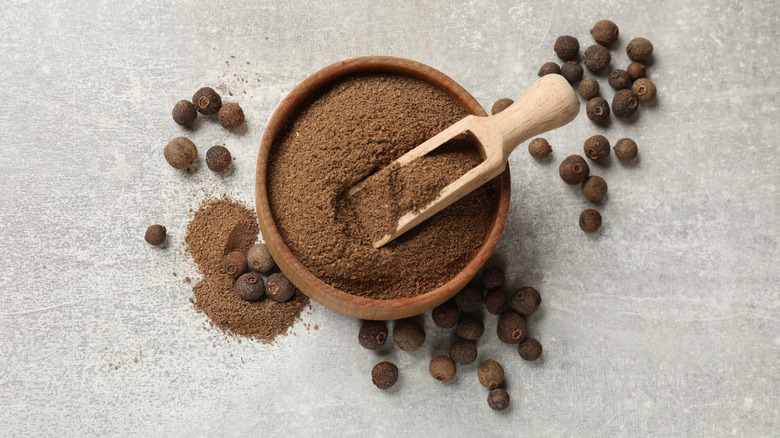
(490, 374)
(218, 158)
(530, 349)
(445, 315)
(619, 79)
(597, 110)
(469, 299)
(496, 302)
(636, 70)
(511, 328)
(500, 105)
(588, 88)
(260, 258)
(644, 89)
(526, 301)
(498, 399)
(597, 58)
(155, 235)
(184, 113)
(539, 148)
(625, 103)
(230, 116)
(384, 375)
(549, 68)
(279, 288)
(180, 152)
(235, 264)
(372, 335)
(590, 220)
(567, 47)
(605, 32)
(572, 71)
(408, 335)
(250, 287)
(493, 277)
(573, 169)
(596, 147)
(625, 149)
(594, 188)
(639, 49)
(207, 101)
(463, 352)
(442, 368)
(470, 327)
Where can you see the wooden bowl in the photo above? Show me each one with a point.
(335, 299)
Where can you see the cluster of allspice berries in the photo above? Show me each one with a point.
(246, 270)
(463, 314)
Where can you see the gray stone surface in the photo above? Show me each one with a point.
(664, 323)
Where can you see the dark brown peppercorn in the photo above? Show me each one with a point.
(572, 71)
(184, 113)
(605, 32)
(644, 89)
(408, 335)
(235, 264)
(180, 152)
(588, 88)
(259, 258)
(539, 148)
(490, 374)
(639, 49)
(496, 302)
(470, 299)
(279, 288)
(511, 328)
(590, 220)
(596, 147)
(498, 399)
(526, 301)
(230, 116)
(218, 158)
(442, 368)
(573, 169)
(594, 188)
(384, 375)
(530, 349)
(207, 100)
(372, 335)
(155, 235)
(250, 287)
(567, 47)
(445, 315)
(549, 68)
(625, 149)
(493, 277)
(625, 103)
(470, 327)
(500, 105)
(619, 79)
(598, 110)
(597, 58)
(463, 352)
(636, 70)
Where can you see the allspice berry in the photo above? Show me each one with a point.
(498, 399)
(260, 259)
(442, 368)
(493, 277)
(155, 235)
(526, 301)
(469, 299)
(573, 169)
(530, 349)
(597, 58)
(207, 101)
(184, 113)
(279, 288)
(384, 375)
(639, 49)
(572, 71)
(490, 374)
(463, 352)
(470, 327)
(230, 116)
(235, 264)
(644, 89)
(605, 32)
(408, 335)
(625, 103)
(511, 328)
(594, 188)
(596, 147)
(625, 149)
(500, 105)
(619, 79)
(496, 302)
(597, 110)
(549, 68)
(218, 158)
(588, 88)
(539, 148)
(636, 70)
(372, 335)
(180, 152)
(445, 315)
(567, 47)
(250, 287)
(590, 220)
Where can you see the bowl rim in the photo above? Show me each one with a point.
(308, 283)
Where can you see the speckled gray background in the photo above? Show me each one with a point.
(664, 323)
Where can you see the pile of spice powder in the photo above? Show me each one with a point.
(339, 136)
(218, 227)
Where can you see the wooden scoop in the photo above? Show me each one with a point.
(548, 104)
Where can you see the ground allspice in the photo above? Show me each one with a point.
(597, 110)
(155, 235)
(260, 259)
(372, 335)
(408, 335)
(279, 288)
(498, 399)
(596, 147)
(445, 315)
(549, 68)
(639, 49)
(530, 349)
(539, 148)
(567, 47)
(180, 152)
(594, 188)
(493, 277)
(573, 169)
(500, 105)
(463, 352)
(218, 158)
(619, 79)
(572, 71)
(490, 374)
(605, 32)
(590, 220)
(511, 328)
(526, 301)
(496, 302)
(625, 103)
(235, 264)
(207, 100)
(470, 327)
(469, 299)
(636, 70)
(442, 368)
(184, 113)
(230, 116)
(625, 149)
(644, 89)
(384, 375)
(597, 58)
(250, 287)
(588, 88)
